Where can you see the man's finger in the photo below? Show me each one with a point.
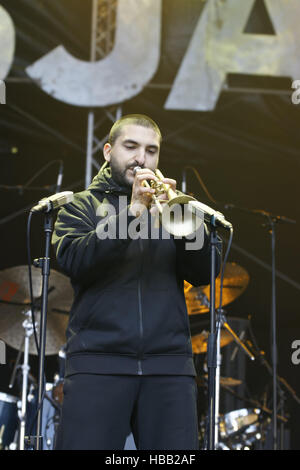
(170, 181)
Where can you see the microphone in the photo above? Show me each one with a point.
(53, 202)
(183, 183)
(60, 177)
(209, 213)
(7, 150)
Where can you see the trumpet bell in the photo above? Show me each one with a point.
(178, 217)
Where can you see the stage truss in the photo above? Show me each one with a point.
(104, 14)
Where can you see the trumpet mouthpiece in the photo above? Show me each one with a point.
(136, 168)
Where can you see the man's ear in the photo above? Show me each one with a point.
(107, 152)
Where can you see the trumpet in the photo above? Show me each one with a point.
(175, 213)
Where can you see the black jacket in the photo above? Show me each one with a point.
(129, 314)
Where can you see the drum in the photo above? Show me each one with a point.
(240, 429)
(9, 420)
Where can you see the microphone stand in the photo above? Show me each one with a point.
(212, 344)
(44, 264)
(214, 337)
(272, 220)
(214, 219)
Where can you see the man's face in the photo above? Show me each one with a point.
(135, 146)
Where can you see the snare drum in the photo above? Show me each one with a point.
(8, 419)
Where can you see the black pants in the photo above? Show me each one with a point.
(100, 411)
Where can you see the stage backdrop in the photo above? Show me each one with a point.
(221, 78)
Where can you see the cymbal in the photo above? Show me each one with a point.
(235, 281)
(199, 341)
(15, 301)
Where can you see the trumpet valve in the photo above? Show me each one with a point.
(158, 186)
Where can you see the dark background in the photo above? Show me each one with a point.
(246, 152)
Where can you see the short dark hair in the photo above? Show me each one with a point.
(136, 119)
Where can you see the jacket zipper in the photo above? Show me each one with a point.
(140, 371)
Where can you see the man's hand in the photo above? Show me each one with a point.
(141, 197)
(163, 198)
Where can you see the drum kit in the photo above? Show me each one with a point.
(238, 429)
(18, 414)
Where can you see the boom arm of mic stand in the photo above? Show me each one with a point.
(263, 213)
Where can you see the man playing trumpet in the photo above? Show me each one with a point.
(129, 360)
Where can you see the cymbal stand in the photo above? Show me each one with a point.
(221, 322)
(28, 327)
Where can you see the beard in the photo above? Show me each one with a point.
(119, 173)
